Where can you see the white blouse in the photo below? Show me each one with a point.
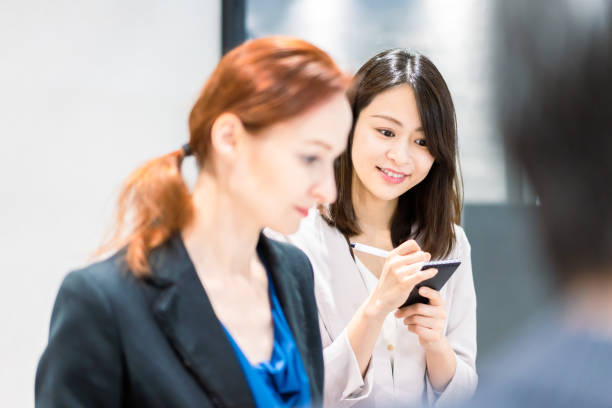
(397, 371)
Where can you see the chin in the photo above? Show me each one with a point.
(384, 194)
(285, 227)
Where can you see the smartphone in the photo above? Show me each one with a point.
(445, 271)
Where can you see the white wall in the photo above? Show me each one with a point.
(88, 90)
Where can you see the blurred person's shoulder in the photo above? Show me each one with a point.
(548, 365)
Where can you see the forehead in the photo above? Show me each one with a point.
(398, 102)
(326, 123)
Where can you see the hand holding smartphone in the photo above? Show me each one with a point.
(445, 269)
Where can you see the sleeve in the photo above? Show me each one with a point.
(461, 333)
(344, 385)
(81, 365)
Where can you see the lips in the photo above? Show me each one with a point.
(303, 211)
(391, 176)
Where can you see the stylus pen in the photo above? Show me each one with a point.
(369, 249)
(383, 254)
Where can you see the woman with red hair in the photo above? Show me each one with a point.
(196, 307)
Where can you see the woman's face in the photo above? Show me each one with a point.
(287, 168)
(389, 151)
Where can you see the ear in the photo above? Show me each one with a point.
(227, 130)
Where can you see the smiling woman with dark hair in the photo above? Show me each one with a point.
(419, 212)
(399, 189)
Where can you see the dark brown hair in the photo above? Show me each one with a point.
(434, 205)
(263, 81)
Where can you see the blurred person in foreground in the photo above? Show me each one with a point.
(197, 308)
(555, 102)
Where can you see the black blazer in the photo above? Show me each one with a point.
(118, 341)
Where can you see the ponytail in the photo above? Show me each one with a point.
(154, 202)
(263, 82)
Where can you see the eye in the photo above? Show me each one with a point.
(386, 132)
(310, 159)
(421, 142)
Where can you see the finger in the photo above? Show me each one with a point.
(409, 264)
(435, 298)
(406, 248)
(415, 259)
(418, 309)
(424, 333)
(404, 312)
(402, 266)
(411, 327)
(414, 278)
(409, 310)
(418, 329)
(423, 321)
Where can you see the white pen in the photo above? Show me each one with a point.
(383, 254)
(369, 249)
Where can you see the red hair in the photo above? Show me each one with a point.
(262, 82)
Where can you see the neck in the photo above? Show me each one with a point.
(588, 304)
(373, 214)
(221, 238)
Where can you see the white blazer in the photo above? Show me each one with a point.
(340, 290)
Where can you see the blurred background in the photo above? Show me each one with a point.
(88, 91)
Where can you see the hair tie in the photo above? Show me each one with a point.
(187, 150)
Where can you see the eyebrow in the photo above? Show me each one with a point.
(397, 122)
(320, 143)
(389, 118)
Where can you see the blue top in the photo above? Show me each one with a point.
(281, 381)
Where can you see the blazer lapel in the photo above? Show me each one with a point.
(289, 296)
(184, 313)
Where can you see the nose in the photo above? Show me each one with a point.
(325, 191)
(400, 153)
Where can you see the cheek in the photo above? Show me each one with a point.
(255, 178)
(424, 163)
(365, 151)
(279, 178)
(270, 178)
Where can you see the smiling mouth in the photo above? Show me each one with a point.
(392, 176)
